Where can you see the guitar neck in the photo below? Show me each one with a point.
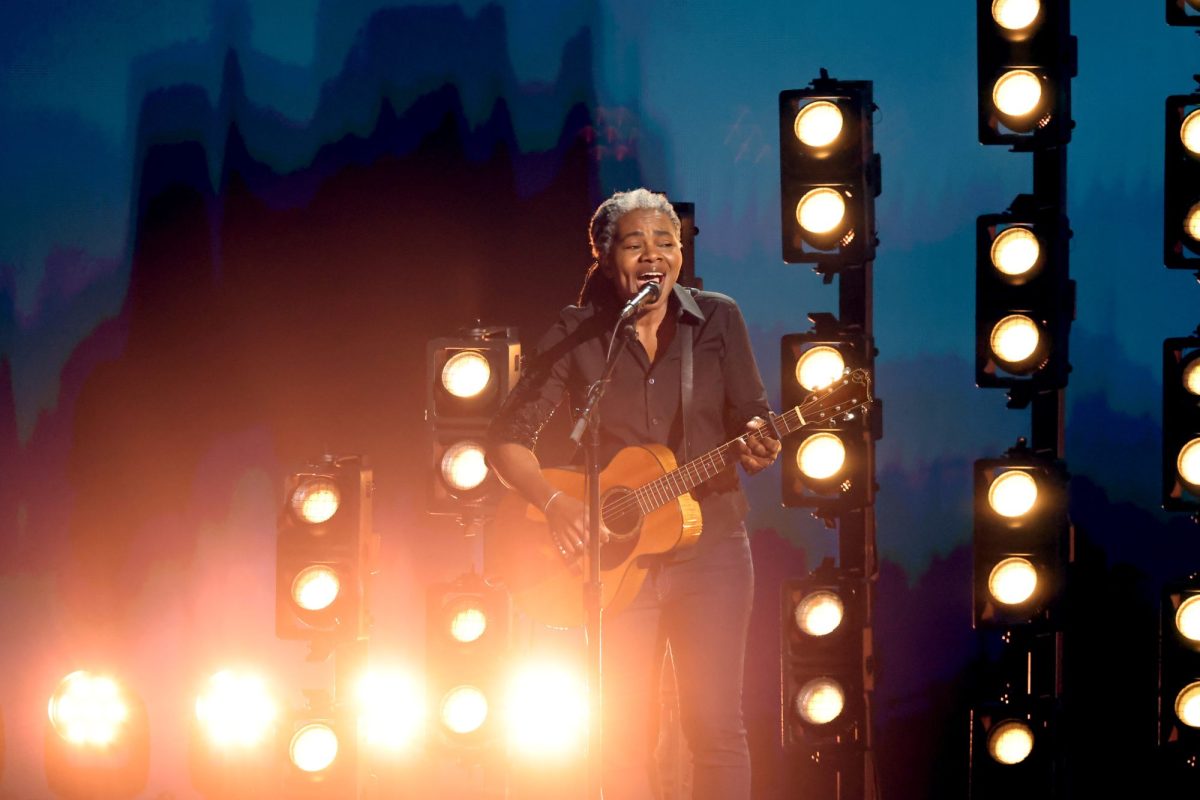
(686, 477)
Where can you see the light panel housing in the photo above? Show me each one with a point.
(1181, 186)
(1180, 423)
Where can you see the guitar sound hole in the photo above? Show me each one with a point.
(621, 513)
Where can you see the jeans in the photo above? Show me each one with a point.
(701, 607)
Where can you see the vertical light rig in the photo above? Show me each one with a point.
(1179, 632)
(325, 554)
(829, 179)
(1024, 307)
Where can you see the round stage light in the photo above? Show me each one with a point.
(1191, 223)
(1191, 376)
(314, 747)
(466, 374)
(88, 709)
(819, 613)
(821, 456)
(1015, 339)
(1189, 132)
(820, 701)
(1010, 742)
(468, 620)
(1016, 15)
(819, 124)
(1013, 581)
(1017, 93)
(1187, 618)
(463, 466)
(821, 210)
(819, 367)
(235, 710)
(1015, 251)
(316, 587)
(1187, 705)
(464, 709)
(1012, 493)
(316, 501)
(1188, 462)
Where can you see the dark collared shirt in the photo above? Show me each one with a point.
(642, 402)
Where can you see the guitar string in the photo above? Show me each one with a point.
(662, 484)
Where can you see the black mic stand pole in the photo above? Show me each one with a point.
(589, 420)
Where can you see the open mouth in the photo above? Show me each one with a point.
(650, 277)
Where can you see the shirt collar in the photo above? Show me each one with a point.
(687, 303)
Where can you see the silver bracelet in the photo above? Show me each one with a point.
(546, 507)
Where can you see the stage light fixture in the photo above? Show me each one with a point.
(1024, 298)
(325, 551)
(821, 667)
(391, 710)
(1184, 13)
(1179, 680)
(1181, 424)
(468, 377)
(1027, 58)
(826, 467)
(1013, 746)
(467, 650)
(236, 710)
(1022, 539)
(319, 747)
(97, 738)
(1181, 183)
(829, 174)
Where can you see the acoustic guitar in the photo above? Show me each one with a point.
(646, 505)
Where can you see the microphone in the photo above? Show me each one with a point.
(647, 294)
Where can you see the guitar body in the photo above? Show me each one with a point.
(520, 551)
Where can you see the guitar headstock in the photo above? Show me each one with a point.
(840, 399)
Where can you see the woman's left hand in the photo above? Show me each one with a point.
(757, 452)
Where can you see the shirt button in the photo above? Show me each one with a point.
(651, 381)
(654, 421)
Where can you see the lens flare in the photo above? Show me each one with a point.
(1189, 132)
(1015, 251)
(1017, 93)
(316, 501)
(316, 587)
(1012, 581)
(821, 210)
(88, 709)
(466, 374)
(820, 701)
(819, 367)
(391, 710)
(547, 711)
(463, 466)
(820, 613)
(1010, 742)
(314, 747)
(821, 456)
(236, 710)
(819, 124)
(1187, 618)
(1012, 493)
(1015, 339)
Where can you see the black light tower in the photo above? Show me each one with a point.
(829, 178)
(1024, 307)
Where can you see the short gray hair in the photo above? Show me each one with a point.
(604, 221)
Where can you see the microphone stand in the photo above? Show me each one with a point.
(589, 421)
